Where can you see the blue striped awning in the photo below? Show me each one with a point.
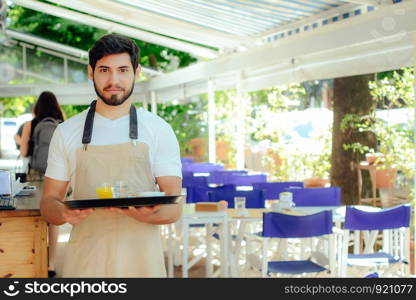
(237, 17)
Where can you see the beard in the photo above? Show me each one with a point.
(114, 100)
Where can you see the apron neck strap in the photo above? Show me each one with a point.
(133, 123)
(89, 122)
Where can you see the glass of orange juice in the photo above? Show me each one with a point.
(104, 191)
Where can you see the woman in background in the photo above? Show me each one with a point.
(46, 107)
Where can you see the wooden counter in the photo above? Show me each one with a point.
(23, 239)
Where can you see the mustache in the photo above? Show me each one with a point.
(116, 87)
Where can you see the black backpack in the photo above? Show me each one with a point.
(41, 137)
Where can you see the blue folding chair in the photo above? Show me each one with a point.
(330, 196)
(202, 167)
(186, 160)
(247, 180)
(254, 198)
(223, 176)
(188, 172)
(277, 225)
(393, 256)
(199, 193)
(273, 189)
(188, 180)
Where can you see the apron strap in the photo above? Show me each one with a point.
(89, 122)
(133, 123)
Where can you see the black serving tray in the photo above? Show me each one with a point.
(122, 202)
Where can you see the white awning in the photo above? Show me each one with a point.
(270, 42)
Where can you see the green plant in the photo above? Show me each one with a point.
(394, 141)
(188, 121)
(396, 148)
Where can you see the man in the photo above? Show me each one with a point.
(108, 143)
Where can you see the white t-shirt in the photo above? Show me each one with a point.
(152, 130)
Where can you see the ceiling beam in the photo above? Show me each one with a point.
(365, 2)
(140, 18)
(72, 51)
(117, 28)
(47, 44)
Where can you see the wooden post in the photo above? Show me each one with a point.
(211, 122)
(241, 108)
(153, 103)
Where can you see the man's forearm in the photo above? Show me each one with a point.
(51, 210)
(166, 215)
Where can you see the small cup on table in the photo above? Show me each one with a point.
(240, 206)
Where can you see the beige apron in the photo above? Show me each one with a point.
(109, 244)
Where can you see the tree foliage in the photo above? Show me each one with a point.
(16, 106)
(188, 121)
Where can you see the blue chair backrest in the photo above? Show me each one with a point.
(223, 176)
(273, 189)
(289, 226)
(196, 194)
(202, 167)
(186, 160)
(372, 275)
(330, 196)
(389, 218)
(188, 179)
(244, 180)
(254, 198)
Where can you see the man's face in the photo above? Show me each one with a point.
(113, 78)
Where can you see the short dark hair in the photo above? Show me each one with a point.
(47, 107)
(114, 44)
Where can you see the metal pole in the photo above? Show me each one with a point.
(66, 70)
(211, 122)
(241, 109)
(153, 103)
(145, 104)
(24, 61)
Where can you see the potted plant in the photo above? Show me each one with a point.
(319, 173)
(315, 182)
(372, 157)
